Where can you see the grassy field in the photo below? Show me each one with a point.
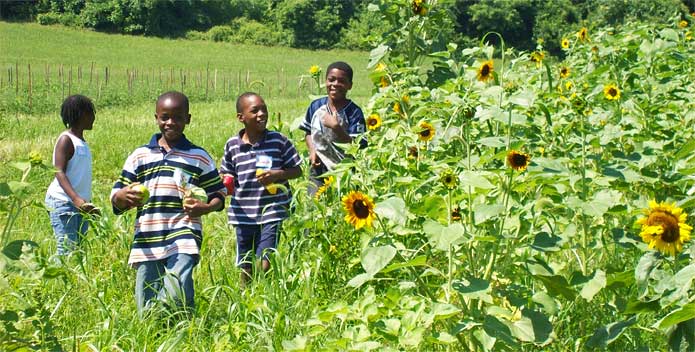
(509, 204)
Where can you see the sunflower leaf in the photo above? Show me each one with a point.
(686, 312)
(376, 258)
(606, 334)
(393, 209)
(593, 286)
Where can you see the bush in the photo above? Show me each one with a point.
(220, 33)
(66, 19)
(363, 32)
(196, 35)
(252, 32)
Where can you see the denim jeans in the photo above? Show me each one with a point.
(256, 239)
(169, 281)
(68, 224)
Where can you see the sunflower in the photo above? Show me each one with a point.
(485, 71)
(380, 67)
(564, 71)
(582, 34)
(373, 122)
(518, 160)
(537, 56)
(315, 70)
(569, 85)
(397, 107)
(412, 152)
(384, 82)
(664, 227)
(35, 158)
(326, 184)
(426, 132)
(418, 7)
(456, 214)
(683, 23)
(449, 179)
(359, 208)
(611, 92)
(565, 43)
(405, 98)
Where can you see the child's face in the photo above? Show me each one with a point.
(254, 114)
(87, 120)
(172, 117)
(337, 84)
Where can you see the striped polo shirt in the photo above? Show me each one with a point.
(162, 228)
(251, 203)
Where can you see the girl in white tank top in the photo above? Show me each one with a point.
(69, 194)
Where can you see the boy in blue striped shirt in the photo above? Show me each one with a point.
(168, 228)
(261, 161)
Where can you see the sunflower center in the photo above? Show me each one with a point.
(612, 92)
(448, 179)
(518, 160)
(372, 122)
(668, 222)
(485, 70)
(360, 209)
(425, 132)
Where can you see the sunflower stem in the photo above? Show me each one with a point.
(493, 256)
(584, 191)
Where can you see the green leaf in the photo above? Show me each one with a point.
(495, 328)
(376, 258)
(14, 249)
(22, 166)
(646, 264)
(475, 180)
(377, 54)
(360, 279)
(484, 212)
(533, 327)
(684, 331)
(473, 288)
(392, 209)
(635, 307)
(299, 343)
(685, 150)
(524, 98)
(603, 200)
(606, 334)
(557, 286)
(420, 260)
(547, 301)
(682, 314)
(546, 242)
(594, 285)
(432, 207)
(444, 310)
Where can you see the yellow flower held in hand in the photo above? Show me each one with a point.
(664, 227)
(359, 208)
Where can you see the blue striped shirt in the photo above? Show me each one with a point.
(251, 203)
(162, 228)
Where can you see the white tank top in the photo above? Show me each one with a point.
(78, 171)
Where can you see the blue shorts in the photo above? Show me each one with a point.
(257, 239)
(68, 224)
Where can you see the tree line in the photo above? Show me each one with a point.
(350, 24)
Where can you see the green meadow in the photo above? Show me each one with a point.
(507, 201)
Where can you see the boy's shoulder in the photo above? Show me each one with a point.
(319, 102)
(270, 135)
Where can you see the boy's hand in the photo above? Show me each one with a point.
(331, 121)
(90, 208)
(128, 197)
(194, 208)
(270, 176)
(314, 159)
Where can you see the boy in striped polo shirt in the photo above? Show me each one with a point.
(168, 228)
(261, 162)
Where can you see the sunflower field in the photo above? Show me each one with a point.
(515, 201)
(506, 201)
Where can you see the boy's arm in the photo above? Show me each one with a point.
(313, 160)
(195, 208)
(331, 121)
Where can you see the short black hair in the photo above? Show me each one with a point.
(343, 66)
(74, 107)
(243, 96)
(174, 95)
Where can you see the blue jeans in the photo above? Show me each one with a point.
(169, 280)
(255, 239)
(68, 224)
